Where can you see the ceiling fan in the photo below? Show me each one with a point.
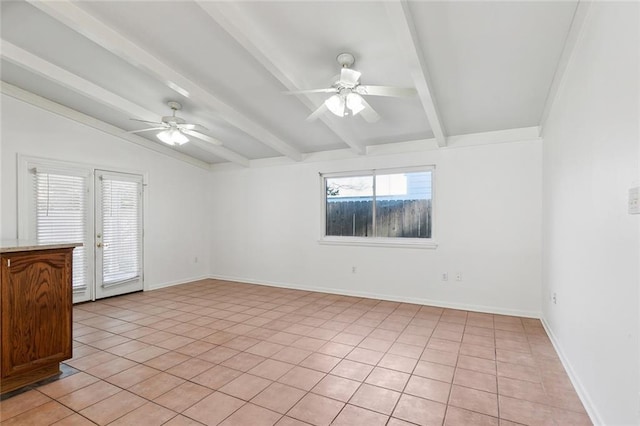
(347, 98)
(173, 130)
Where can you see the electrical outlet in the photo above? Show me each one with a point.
(195, 259)
(445, 276)
(354, 269)
(459, 276)
(634, 200)
(554, 299)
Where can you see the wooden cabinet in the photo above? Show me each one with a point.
(36, 317)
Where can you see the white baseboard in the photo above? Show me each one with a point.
(148, 287)
(588, 404)
(392, 298)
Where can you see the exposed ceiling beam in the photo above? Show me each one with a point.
(84, 23)
(54, 73)
(231, 19)
(63, 111)
(400, 16)
(573, 36)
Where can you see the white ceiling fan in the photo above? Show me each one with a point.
(173, 130)
(348, 95)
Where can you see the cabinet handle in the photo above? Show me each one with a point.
(99, 245)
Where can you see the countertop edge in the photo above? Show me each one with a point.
(36, 247)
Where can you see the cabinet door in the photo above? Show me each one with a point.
(36, 310)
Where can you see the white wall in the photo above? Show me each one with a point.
(265, 225)
(175, 210)
(591, 245)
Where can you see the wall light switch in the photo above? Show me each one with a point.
(634, 200)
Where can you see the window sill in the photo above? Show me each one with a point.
(379, 242)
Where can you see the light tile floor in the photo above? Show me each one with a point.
(215, 352)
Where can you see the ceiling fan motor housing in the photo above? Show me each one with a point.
(172, 119)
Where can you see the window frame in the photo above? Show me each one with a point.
(422, 243)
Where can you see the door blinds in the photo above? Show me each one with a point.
(61, 215)
(121, 230)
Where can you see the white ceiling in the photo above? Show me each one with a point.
(477, 67)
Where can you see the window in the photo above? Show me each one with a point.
(378, 206)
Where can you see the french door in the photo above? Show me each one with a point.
(118, 233)
(103, 210)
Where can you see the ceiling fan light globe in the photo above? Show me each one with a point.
(165, 136)
(336, 105)
(172, 137)
(354, 103)
(179, 138)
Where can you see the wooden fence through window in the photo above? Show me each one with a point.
(394, 218)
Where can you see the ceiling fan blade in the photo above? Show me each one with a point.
(190, 126)
(297, 92)
(202, 136)
(386, 91)
(368, 113)
(145, 121)
(147, 130)
(349, 77)
(318, 112)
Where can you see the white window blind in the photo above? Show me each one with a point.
(121, 230)
(61, 215)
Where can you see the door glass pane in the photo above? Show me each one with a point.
(61, 216)
(349, 206)
(121, 230)
(403, 205)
